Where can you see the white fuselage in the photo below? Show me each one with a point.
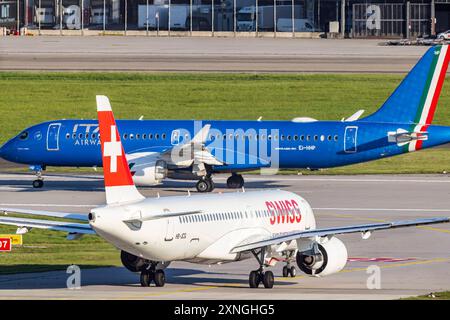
(223, 222)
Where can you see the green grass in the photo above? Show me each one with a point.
(45, 250)
(29, 98)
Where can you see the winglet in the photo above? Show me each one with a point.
(202, 135)
(103, 103)
(119, 185)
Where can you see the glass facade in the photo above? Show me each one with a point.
(360, 18)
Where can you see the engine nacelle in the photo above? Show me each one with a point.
(327, 256)
(132, 262)
(149, 174)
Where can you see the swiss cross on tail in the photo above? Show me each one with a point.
(119, 184)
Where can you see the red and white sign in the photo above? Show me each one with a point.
(5, 244)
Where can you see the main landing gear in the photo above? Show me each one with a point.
(289, 270)
(39, 182)
(205, 184)
(258, 276)
(151, 275)
(236, 181)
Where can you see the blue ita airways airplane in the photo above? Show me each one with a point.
(188, 149)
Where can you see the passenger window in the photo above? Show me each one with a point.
(308, 137)
(138, 136)
(289, 138)
(131, 136)
(336, 138)
(329, 138)
(316, 138)
(125, 136)
(163, 136)
(67, 135)
(295, 137)
(156, 136)
(144, 136)
(150, 136)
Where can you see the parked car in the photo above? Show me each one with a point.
(444, 35)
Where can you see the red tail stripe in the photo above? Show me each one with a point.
(121, 175)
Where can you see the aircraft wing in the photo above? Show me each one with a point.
(364, 228)
(193, 151)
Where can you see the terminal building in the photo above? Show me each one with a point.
(298, 18)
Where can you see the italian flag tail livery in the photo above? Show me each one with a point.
(119, 186)
(414, 101)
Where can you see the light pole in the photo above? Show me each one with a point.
(146, 19)
(40, 17)
(104, 16)
(157, 22)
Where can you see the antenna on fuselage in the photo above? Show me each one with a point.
(259, 119)
(141, 117)
(243, 189)
(189, 193)
(157, 195)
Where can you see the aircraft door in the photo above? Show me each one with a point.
(170, 229)
(175, 138)
(350, 139)
(53, 136)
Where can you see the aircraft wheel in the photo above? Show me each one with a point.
(293, 272)
(254, 279)
(285, 272)
(205, 185)
(38, 184)
(146, 278)
(268, 279)
(160, 278)
(235, 181)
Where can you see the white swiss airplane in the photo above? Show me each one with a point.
(270, 225)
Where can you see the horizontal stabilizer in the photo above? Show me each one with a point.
(355, 116)
(401, 137)
(80, 228)
(65, 215)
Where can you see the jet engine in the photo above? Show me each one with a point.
(327, 256)
(132, 262)
(148, 173)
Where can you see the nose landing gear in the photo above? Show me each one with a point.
(39, 182)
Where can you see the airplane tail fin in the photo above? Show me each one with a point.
(119, 186)
(415, 99)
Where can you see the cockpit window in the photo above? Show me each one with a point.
(23, 135)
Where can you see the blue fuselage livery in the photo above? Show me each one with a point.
(317, 144)
(191, 149)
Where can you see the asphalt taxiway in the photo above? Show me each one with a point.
(204, 54)
(412, 261)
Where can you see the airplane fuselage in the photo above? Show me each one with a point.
(241, 145)
(209, 235)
